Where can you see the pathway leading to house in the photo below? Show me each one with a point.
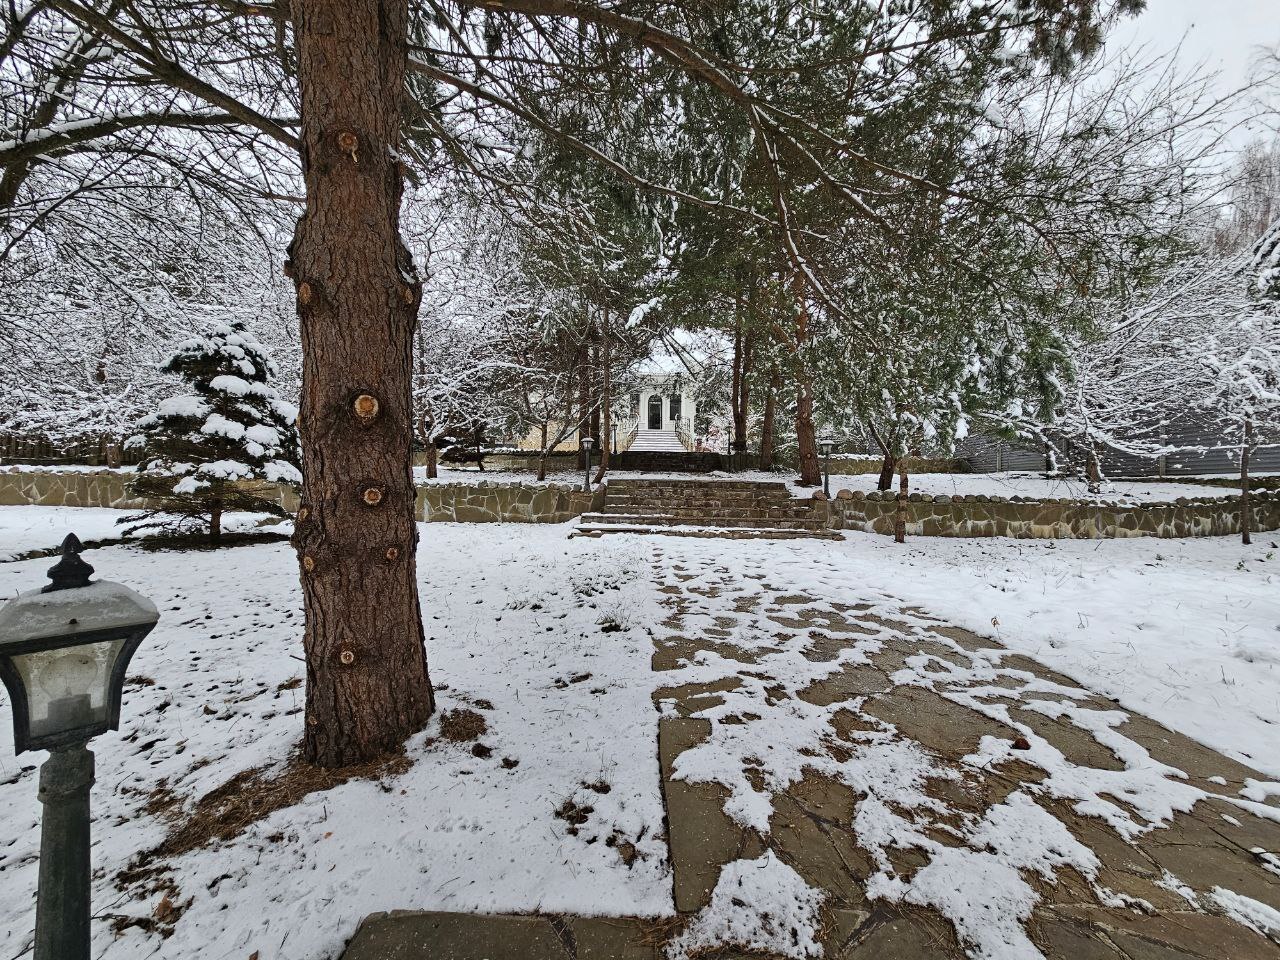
(854, 779)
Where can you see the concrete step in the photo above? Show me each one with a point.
(656, 441)
(726, 502)
(668, 461)
(681, 519)
(685, 508)
(716, 484)
(728, 533)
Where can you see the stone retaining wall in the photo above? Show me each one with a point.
(482, 501)
(941, 516)
(1022, 517)
(493, 502)
(78, 488)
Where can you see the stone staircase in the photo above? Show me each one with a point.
(667, 461)
(656, 441)
(737, 509)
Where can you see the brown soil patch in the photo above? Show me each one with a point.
(461, 725)
(251, 795)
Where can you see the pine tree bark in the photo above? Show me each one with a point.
(1246, 501)
(215, 521)
(358, 297)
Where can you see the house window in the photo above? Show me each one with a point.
(675, 408)
(635, 403)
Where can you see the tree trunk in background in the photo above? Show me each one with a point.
(595, 410)
(583, 364)
(1093, 471)
(806, 436)
(433, 460)
(742, 399)
(1246, 516)
(887, 468)
(358, 297)
(737, 388)
(606, 396)
(770, 415)
(215, 521)
(900, 518)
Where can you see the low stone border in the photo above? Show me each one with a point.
(979, 515)
(495, 502)
(474, 502)
(1025, 517)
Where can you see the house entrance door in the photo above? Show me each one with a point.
(655, 412)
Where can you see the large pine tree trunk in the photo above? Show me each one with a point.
(1246, 502)
(358, 296)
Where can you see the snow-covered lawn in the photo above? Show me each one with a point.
(23, 529)
(523, 627)
(28, 528)
(548, 639)
(1015, 484)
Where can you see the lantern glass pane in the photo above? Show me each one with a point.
(68, 688)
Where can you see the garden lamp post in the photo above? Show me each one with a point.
(587, 444)
(826, 443)
(64, 649)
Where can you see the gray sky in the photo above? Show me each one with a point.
(1222, 33)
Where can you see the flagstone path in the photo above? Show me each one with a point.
(864, 779)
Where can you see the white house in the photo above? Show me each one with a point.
(662, 416)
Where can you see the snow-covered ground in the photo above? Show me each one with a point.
(23, 529)
(1007, 484)
(28, 528)
(523, 627)
(525, 621)
(1015, 484)
(1184, 631)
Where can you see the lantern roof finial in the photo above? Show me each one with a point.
(69, 572)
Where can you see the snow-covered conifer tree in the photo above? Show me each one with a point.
(203, 449)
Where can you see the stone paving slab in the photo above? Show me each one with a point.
(411, 935)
